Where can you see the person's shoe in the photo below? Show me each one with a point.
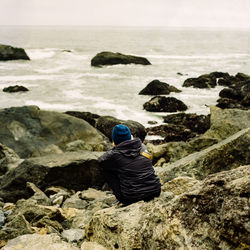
(117, 203)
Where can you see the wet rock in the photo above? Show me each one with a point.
(203, 81)
(164, 104)
(32, 132)
(157, 87)
(11, 53)
(41, 242)
(211, 214)
(16, 88)
(71, 170)
(110, 58)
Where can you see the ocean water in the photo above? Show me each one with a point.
(60, 77)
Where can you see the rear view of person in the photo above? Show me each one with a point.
(128, 168)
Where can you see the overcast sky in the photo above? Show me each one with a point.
(208, 13)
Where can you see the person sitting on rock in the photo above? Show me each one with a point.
(128, 168)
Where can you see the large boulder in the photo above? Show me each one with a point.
(32, 132)
(157, 87)
(72, 170)
(164, 104)
(203, 81)
(227, 154)
(210, 214)
(11, 53)
(105, 124)
(110, 58)
(38, 241)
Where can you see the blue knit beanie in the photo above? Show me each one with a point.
(120, 133)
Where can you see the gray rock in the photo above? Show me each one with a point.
(41, 242)
(31, 132)
(72, 170)
(211, 214)
(110, 58)
(2, 218)
(11, 53)
(227, 154)
(73, 235)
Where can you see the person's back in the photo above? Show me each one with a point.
(128, 169)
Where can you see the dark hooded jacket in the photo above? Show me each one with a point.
(133, 173)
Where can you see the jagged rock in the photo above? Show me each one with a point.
(73, 235)
(227, 154)
(32, 132)
(92, 246)
(75, 202)
(8, 159)
(16, 88)
(72, 170)
(28, 215)
(181, 127)
(105, 124)
(226, 122)
(110, 58)
(11, 53)
(203, 81)
(38, 241)
(194, 122)
(157, 87)
(212, 214)
(164, 104)
(236, 96)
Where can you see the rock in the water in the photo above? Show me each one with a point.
(39, 242)
(87, 116)
(157, 87)
(71, 170)
(11, 53)
(32, 132)
(16, 88)
(203, 81)
(110, 58)
(211, 214)
(227, 154)
(164, 104)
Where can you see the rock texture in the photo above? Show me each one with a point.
(16, 88)
(11, 53)
(110, 58)
(71, 170)
(227, 154)
(32, 132)
(164, 104)
(157, 87)
(105, 124)
(38, 241)
(214, 214)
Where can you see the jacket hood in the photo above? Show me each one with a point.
(131, 148)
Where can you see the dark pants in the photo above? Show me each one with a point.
(114, 183)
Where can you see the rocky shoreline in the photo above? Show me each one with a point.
(53, 194)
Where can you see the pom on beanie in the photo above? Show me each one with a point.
(120, 134)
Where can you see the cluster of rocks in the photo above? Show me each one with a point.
(53, 193)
